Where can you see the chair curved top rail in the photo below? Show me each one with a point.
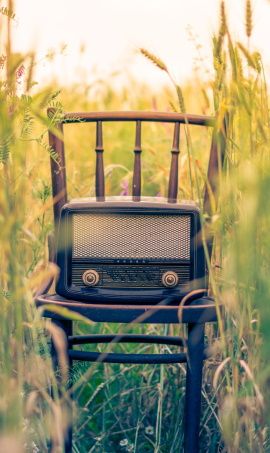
(166, 117)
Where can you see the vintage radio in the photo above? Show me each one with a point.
(120, 250)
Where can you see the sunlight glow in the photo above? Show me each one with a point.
(93, 38)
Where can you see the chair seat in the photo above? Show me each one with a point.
(201, 310)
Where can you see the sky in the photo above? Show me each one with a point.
(93, 39)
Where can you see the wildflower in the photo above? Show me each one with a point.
(149, 430)
(123, 442)
(20, 72)
(124, 186)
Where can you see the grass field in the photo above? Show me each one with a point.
(138, 408)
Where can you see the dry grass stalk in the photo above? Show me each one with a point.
(154, 59)
(249, 21)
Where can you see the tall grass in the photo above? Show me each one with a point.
(131, 408)
(242, 223)
(28, 414)
(241, 226)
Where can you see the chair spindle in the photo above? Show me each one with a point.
(215, 164)
(136, 183)
(100, 182)
(173, 181)
(58, 173)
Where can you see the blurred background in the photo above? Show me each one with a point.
(88, 39)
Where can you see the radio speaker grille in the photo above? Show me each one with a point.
(131, 236)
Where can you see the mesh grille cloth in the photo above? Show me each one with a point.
(131, 236)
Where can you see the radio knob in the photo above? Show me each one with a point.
(90, 277)
(170, 279)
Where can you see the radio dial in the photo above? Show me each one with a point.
(170, 279)
(90, 277)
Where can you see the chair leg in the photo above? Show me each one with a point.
(66, 326)
(195, 355)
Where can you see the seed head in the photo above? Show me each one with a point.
(249, 24)
(156, 60)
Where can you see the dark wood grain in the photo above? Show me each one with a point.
(167, 117)
(215, 164)
(136, 182)
(58, 172)
(127, 338)
(100, 179)
(204, 310)
(173, 180)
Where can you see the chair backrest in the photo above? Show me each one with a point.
(58, 167)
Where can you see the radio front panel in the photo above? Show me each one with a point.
(126, 253)
(115, 276)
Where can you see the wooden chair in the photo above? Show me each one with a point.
(196, 314)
